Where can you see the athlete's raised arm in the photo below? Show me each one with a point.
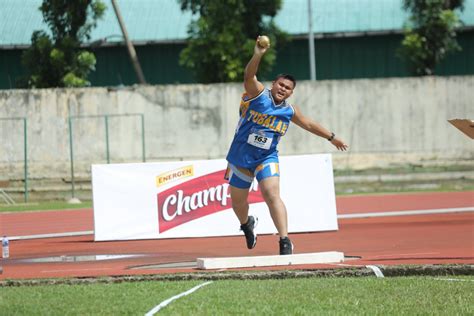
(313, 127)
(252, 86)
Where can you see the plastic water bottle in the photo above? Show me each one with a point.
(5, 247)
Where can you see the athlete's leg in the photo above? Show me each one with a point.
(270, 188)
(240, 180)
(239, 203)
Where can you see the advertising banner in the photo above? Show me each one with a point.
(192, 199)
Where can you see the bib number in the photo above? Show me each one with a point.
(260, 141)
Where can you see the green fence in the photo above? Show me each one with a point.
(106, 118)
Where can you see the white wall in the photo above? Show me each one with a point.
(384, 121)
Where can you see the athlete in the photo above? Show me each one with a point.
(264, 117)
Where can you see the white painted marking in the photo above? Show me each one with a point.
(111, 257)
(376, 270)
(403, 213)
(53, 235)
(84, 258)
(155, 309)
(265, 261)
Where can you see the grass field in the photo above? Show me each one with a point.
(404, 169)
(41, 206)
(305, 296)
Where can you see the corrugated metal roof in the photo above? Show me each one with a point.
(331, 16)
(146, 20)
(163, 20)
(18, 20)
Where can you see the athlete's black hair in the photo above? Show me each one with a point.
(287, 76)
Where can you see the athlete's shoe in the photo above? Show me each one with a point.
(248, 229)
(286, 246)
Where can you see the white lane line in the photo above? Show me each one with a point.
(413, 212)
(376, 270)
(342, 216)
(155, 309)
(68, 234)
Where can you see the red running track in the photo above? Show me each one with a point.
(49, 222)
(414, 239)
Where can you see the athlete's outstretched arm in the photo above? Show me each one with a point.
(252, 86)
(317, 129)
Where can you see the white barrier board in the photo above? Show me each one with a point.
(192, 199)
(268, 261)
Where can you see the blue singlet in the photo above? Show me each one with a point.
(258, 132)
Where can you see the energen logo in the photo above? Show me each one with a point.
(196, 198)
(174, 175)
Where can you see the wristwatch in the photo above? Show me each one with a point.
(332, 137)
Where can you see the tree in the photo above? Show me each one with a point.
(430, 33)
(57, 60)
(221, 40)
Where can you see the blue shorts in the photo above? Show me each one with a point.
(238, 179)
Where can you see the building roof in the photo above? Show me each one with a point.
(163, 20)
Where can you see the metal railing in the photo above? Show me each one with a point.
(107, 146)
(6, 198)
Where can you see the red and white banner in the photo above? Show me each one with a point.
(192, 199)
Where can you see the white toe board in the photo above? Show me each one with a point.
(266, 261)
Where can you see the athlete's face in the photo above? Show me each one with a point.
(282, 89)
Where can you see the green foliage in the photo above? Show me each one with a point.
(57, 60)
(430, 34)
(222, 38)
